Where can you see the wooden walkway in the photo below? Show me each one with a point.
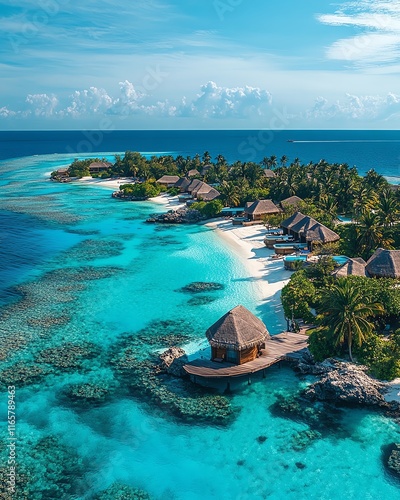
(285, 346)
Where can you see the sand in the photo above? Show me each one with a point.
(105, 183)
(393, 393)
(268, 276)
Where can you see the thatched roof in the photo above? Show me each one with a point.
(183, 183)
(292, 220)
(100, 165)
(260, 207)
(353, 267)
(319, 232)
(205, 169)
(384, 264)
(303, 225)
(168, 179)
(291, 201)
(194, 184)
(193, 172)
(238, 329)
(270, 174)
(209, 196)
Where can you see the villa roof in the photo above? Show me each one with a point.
(193, 185)
(353, 267)
(183, 183)
(291, 201)
(168, 179)
(384, 264)
(270, 174)
(319, 232)
(260, 207)
(303, 225)
(209, 196)
(292, 220)
(238, 329)
(100, 164)
(193, 172)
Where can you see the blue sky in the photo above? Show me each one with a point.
(173, 64)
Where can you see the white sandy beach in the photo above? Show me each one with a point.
(106, 183)
(269, 276)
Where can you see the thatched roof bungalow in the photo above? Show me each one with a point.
(193, 172)
(168, 180)
(237, 337)
(293, 201)
(384, 264)
(318, 233)
(291, 221)
(99, 166)
(259, 208)
(193, 185)
(353, 267)
(269, 174)
(210, 195)
(183, 184)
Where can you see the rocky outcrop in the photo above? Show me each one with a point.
(120, 195)
(181, 216)
(308, 366)
(347, 383)
(172, 361)
(392, 459)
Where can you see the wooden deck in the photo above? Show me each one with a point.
(285, 346)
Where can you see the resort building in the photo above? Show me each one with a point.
(305, 229)
(203, 191)
(384, 264)
(192, 186)
(193, 173)
(168, 180)
(258, 209)
(292, 201)
(353, 267)
(205, 169)
(209, 195)
(237, 337)
(269, 174)
(183, 184)
(99, 166)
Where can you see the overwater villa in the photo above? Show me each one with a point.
(241, 345)
(384, 264)
(237, 337)
(258, 209)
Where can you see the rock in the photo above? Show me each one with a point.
(348, 384)
(202, 286)
(308, 366)
(261, 439)
(181, 216)
(303, 439)
(300, 465)
(172, 361)
(392, 458)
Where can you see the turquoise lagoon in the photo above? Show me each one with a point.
(87, 269)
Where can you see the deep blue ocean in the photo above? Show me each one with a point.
(364, 149)
(88, 291)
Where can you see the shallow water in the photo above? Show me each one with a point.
(80, 274)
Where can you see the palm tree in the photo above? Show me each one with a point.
(230, 194)
(371, 234)
(388, 208)
(283, 160)
(345, 311)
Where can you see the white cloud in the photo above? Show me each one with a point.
(212, 102)
(357, 108)
(224, 102)
(42, 104)
(379, 41)
(89, 101)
